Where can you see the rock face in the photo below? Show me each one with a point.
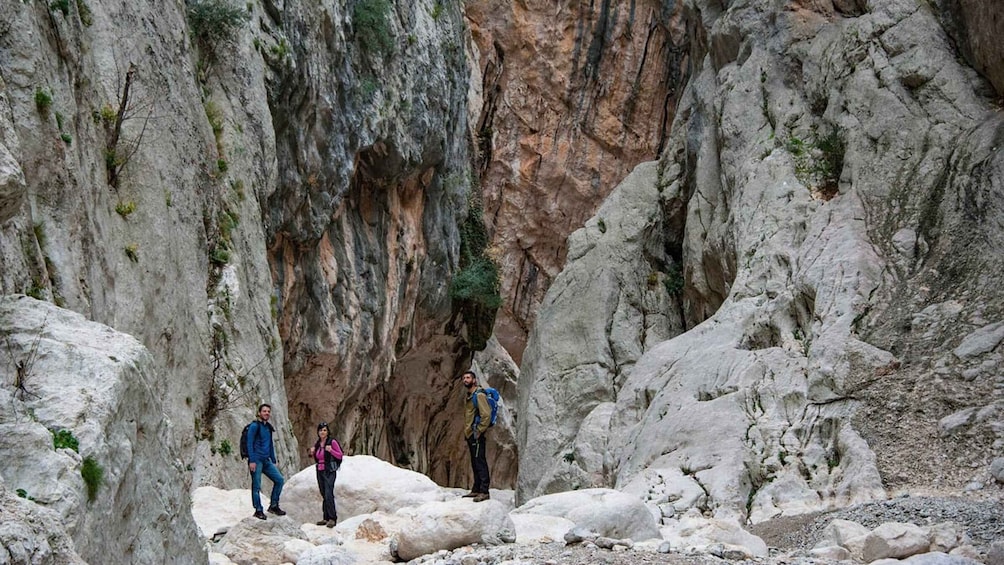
(600, 316)
(274, 214)
(372, 149)
(150, 224)
(32, 534)
(571, 98)
(83, 380)
(832, 181)
(976, 27)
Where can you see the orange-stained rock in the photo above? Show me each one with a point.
(573, 99)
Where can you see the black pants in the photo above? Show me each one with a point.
(326, 483)
(479, 462)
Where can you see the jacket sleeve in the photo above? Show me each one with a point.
(484, 412)
(336, 449)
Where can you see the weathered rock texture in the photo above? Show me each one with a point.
(277, 213)
(571, 98)
(101, 387)
(373, 160)
(976, 27)
(172, 251)
(32, 534)
(832, 190)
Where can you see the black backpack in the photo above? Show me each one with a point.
(244, 441)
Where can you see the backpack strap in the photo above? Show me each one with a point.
(477, 412)
(252, 432)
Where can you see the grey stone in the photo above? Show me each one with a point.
(981, 341)
(12, 185)
(579, 534)
(997, 469)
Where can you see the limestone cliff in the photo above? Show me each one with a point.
(373, 179)
(87, 446)
(570, 98)
(269, 202)
(828, 207)
(141, 179)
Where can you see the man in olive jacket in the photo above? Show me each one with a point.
(476, 422)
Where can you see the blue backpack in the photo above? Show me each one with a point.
(493, 400)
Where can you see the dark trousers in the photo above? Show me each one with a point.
(479, 462)
(326, 484)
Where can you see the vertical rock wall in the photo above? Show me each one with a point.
(266, 212)
(572, 97)
(373, 154)
(145, 161)
(831, 180)
(87, 445)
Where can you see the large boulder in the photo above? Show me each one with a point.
(448, 525)
(253, 541)
(364, 484)
(696, 533)
(82, 381)
(838, 532)
(896, 540)
(605, 512)
(31, 533)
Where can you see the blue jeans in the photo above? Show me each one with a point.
(272, 472)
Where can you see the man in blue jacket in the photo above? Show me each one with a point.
(261, 459)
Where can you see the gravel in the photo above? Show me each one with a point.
(982, 519)
(789, 538)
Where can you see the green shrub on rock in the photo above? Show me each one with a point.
(215, 21)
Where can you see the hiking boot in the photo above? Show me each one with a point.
(276, 510)
(260, 515)
(471, 494)
(331, 523)
(321, 523)
(481, 497)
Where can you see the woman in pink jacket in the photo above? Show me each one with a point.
(327, 455)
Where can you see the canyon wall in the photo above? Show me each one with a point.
(271, 207)
(817, 232)
(571, 97)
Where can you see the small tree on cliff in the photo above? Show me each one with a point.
(475, 287)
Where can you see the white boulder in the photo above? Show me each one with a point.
(891, 539)
(838, 532)
(254, 541)
(696, 533)
(365, 484)
(448, 525)
(606, 512)
(217, 510)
